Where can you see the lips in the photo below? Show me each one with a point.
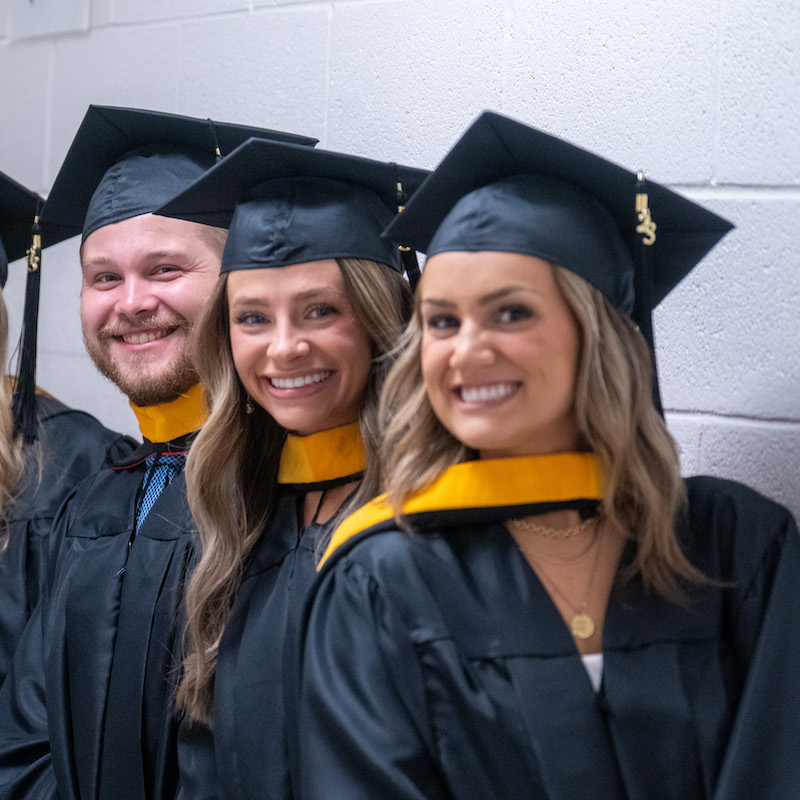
(486, 393)
(299, 381)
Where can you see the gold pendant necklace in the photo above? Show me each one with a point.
(581, 624)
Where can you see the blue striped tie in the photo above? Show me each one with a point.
(161, 469)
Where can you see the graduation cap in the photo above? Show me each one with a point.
(508, 187)
(286, 204)
(21, 235)
(124, 162)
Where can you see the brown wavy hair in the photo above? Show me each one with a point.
(232, 468)
(617, 420)
(12, 463)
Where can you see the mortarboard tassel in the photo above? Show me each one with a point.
(407, 254)
(24, 402)
(643, 302)
(217, 151)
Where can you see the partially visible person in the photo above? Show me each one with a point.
(87, 709)
(292, 351)
(45, 448)
(541, 607)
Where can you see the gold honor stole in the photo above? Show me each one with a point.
(167, 421)
(322, 460)
(502, 488)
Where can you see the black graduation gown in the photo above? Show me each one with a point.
(95, 670)
(436, 666)
(72, 445)
(245, 757)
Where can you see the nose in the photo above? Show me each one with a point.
(136, 298)
(287, 342)
(471, 347)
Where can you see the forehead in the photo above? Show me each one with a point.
(270, 285)
(149, 237)
(471, 275)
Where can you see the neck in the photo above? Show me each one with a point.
(167, 421)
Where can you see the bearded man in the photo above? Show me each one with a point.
(87, 711)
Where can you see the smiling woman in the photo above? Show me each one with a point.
(298, 345)
(500, 353)
(292, 352)
(540, 607)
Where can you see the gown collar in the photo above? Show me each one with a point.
(322, 460)
(489, 489)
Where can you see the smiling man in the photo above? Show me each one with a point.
(144, 281)
(87, 709)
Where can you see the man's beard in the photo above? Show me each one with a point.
(133, 373)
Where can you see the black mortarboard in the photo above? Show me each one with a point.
(508, 187)
(287, 205)
(20, 235)
(124, 162)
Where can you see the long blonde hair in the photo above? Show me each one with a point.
(617, 420)
(12, 464)
(232, 468)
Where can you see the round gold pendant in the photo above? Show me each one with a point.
(582, 626)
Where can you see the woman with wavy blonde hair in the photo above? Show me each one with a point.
(292, 352)
(540, 607)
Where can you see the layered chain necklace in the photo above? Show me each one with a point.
(581, 623)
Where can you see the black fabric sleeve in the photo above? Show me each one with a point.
(762, 758)
(363, 728)
(26, 766)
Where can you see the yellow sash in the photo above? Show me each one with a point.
(485, 484)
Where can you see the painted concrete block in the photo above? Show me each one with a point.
(110, 67)
(764, 456)
(727, 338)
(759, 129)
(686, 431)
(74, 380)
(47, 17)
(24, 68)
(126, 11)
(267, 69)
(262, 3)
(406, 78)
(633, 82)
(101, 13)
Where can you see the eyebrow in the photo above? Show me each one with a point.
(155, 255)
(484, 299)
(309, 294)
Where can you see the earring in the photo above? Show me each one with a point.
(249, 407)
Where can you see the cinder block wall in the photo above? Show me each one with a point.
(701, 95)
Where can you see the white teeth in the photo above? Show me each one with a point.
(143, 338)
(483, 394)
(296, 383)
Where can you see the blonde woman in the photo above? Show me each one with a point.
(568, 618)
(292, 353)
